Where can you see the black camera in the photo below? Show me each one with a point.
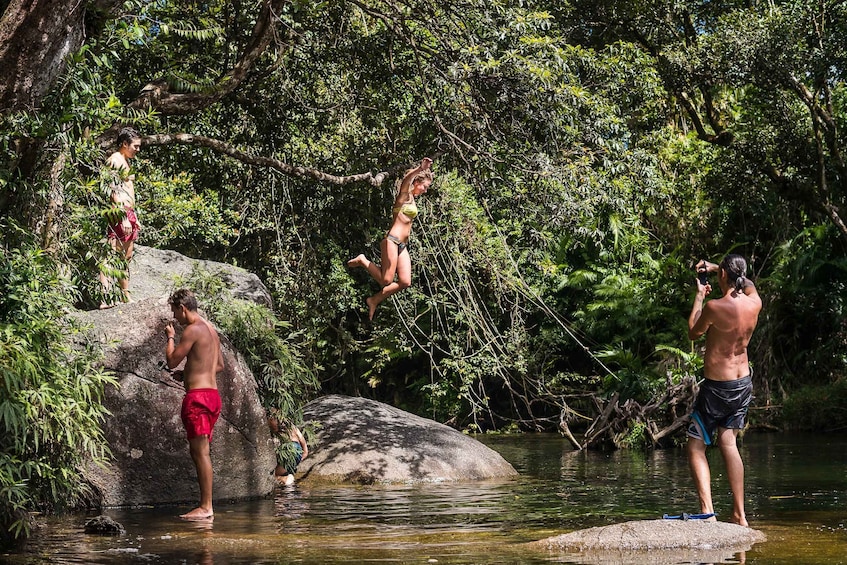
(703, 276)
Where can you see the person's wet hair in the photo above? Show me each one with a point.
(184, 297)
(735, 267)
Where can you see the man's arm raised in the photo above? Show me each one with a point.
(174, 354)
(699, 320)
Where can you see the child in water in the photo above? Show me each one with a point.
(289, 455)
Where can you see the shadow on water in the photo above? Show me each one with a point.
(796, 488)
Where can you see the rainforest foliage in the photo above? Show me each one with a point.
(587, 153)
(50, 400)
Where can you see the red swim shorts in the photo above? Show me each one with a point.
(200, 410)
(116, 230)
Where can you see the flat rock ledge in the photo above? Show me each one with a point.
(654, 542)
(361, 441)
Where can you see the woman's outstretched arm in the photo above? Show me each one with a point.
(426, 162)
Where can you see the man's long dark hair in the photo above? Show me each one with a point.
(736, 268)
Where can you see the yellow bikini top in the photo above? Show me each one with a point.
(410, 210)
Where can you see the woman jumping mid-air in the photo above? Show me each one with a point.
(394, 248)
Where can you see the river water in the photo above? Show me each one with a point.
(796, 494)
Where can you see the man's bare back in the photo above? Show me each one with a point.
(731, 320)
(204, 356)
(728, 323)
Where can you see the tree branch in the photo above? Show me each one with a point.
(721, 135)
(723, 138)
(290, 170)
(808, 99)
(156, 95)
(822, 120)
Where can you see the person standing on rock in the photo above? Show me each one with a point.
(123, 229)
(200, 346)
(725, 394)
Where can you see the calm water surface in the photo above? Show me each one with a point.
(796, 492)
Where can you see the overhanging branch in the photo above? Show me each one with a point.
(301, 172)
(723, 138)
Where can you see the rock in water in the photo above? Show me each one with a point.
(654, 542)
(150, 462)
(103, 525)
(362, 441)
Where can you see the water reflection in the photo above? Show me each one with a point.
(204, 557)
(796, 487)
(290, 504)
(200, 525)
(667, 557)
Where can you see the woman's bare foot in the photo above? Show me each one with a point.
(357, 261)
(199, 514)
(104, 306)
(372, 304)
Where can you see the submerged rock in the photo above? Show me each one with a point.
(654, 542)
(104, 525)
(362, 441)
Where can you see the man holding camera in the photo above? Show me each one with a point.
(725, 393)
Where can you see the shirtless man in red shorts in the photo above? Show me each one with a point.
(725, 393)
(201, 406)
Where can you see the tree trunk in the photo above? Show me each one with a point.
(35, 38)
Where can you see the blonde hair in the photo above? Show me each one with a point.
(420, 177)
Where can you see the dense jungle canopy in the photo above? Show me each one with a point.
(587, 153)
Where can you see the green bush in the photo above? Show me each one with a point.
(267, 344)
(50, 392)
(633, 437)
(817, 408)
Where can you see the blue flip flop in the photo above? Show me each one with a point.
(686, 516)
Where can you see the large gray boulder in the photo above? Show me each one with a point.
(362, 441)
(150, 461)
(153, 272)
(654, 542)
